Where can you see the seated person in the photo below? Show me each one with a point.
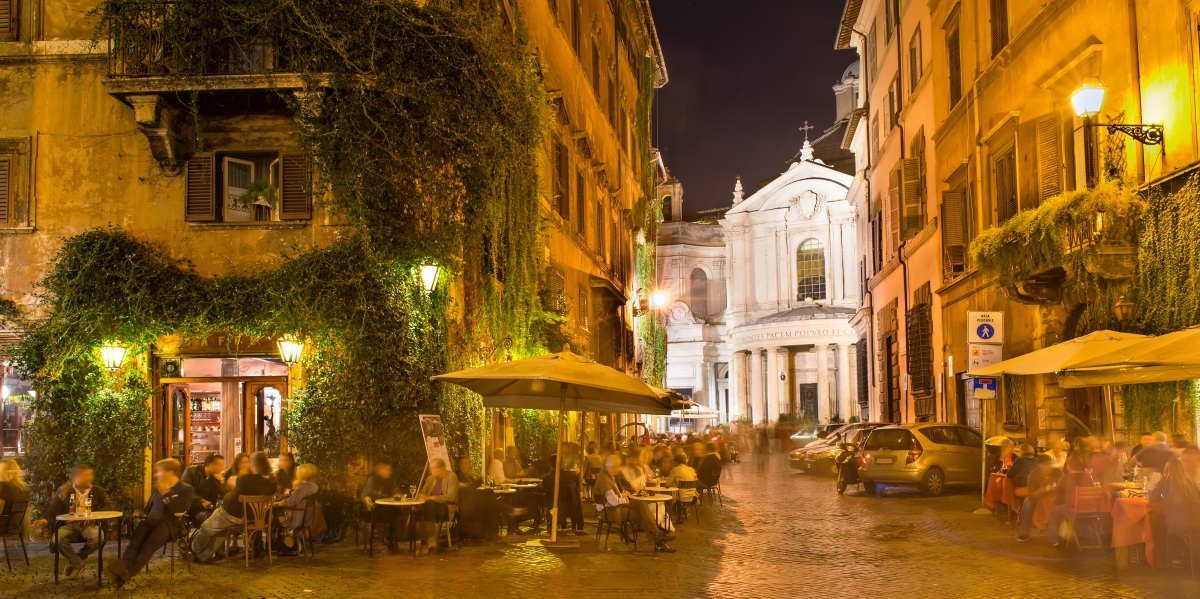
(682, 472)
(1024, 464)
(1156, 455)
(570, 506)
(512, 463)
(290, 510)
(165, 512)
(439, 492)
(608, 496)
(12, 486)
(467, 478)
(206, 481)
(285, 471)
(229, 515)
(1042, 483)
(1006, 457)
(634, 474)
(82, 490)
(496, 469)
(709, 470)
(379, 484)
(239, 467)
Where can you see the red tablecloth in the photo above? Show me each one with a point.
(1131, 524)
(1000, 489)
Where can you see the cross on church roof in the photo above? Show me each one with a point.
(805, 129)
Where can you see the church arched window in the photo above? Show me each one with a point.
(698, 293)
(666, 209)
(810, 270)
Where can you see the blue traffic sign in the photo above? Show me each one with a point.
(985, 331)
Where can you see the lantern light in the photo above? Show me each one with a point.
(658, 300)
(1123, 309)
(429, 276)
(113, 355)
(290, 349)
(1088, 99)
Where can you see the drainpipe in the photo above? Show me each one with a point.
(904, 244)
(1135, 73)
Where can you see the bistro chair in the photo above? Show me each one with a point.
(12, 522)
(257, 511)
(302, 533)
(606, 518)
(1089, 506)
(681, 506)
(1183, 527)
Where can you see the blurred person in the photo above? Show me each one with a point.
(1155, 455)
(513, 468)
(1144, 442)
(230, 514)
(439, 492)
(1006, 453)
(682, 472)
(164, 520)
(206, 481)
(289, 512)
(1023, 465)
(379, 485)
(1180, 442)
(496, 469)
(467, 477)
(1191, 462)
(285, 471)
(240, 466)
(82, 489)
(12, 485)
(1042, 484)
(709, 468)
(608, 495)
(1059, 450)
(634, 474)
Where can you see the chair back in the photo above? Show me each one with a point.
(257, 511)
(1090, 500)
(310, 510)
(13, 518)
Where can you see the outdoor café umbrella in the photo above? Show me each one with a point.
(1171, 357)
(1061, 355)
(562, 381)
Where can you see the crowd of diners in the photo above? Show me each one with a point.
(1166, 468)
(198, 506)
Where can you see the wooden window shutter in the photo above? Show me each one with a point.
(999, 10)
(1006, 186)
(562, 178)
(954, 232)
(560, 291)
(912, 202)
(954, 63)
(585, 311)
(8, 185)
(8, 20)
(892, 213)
(600, 228)
(200, 196)
(580, 205)
(1049, 158)
(296, 180)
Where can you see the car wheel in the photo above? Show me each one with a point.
(841, 484)
(933, 483)
(869, 486)
(833, 468)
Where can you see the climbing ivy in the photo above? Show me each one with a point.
(647, 214)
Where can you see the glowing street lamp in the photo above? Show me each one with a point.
(1087, 102)
(112, 355)
(290, 349)
(658, 300)
(1088, 99)
(429, 276)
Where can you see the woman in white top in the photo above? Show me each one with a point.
(496, 469)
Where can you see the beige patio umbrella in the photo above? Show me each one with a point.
(1062, 355)
(1171, 357)
(562, 381)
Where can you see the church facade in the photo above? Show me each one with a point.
(763, 293)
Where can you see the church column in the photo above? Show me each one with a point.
(852, 355)
(737, 370)
(756, 385)
(824, 408)
(785, 366)
(772, 393)
(843, 382)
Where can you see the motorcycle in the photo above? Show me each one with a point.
(847, 463)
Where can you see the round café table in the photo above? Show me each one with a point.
(100, 519)
(657, 499)
(409, 504)
(672, 491)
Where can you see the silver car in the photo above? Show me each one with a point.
(930, 456)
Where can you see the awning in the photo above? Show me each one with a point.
(1062, 355)
(1171, 357)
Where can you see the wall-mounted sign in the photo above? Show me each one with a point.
(985, 327)
(980, 355)
(985, 388)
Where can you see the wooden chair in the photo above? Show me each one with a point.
(11, 523)
(681, 506)
(257, 517)
(1090, 505)
(301, 533)
(606, 518)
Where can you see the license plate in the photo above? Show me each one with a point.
(885, 460)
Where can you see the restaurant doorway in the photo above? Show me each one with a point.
(220, 405)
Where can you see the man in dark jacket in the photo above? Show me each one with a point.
(164, 521)
(82, 489)
(709, 470)
(229, 516)
(206, 481)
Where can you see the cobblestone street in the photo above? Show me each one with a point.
(778, 534)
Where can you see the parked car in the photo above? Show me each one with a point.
(930, 456)
(821, 460)
(797, 457)
(813, 432)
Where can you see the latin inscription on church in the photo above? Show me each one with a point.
(741, 339)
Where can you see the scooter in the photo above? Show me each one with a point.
(847, 464)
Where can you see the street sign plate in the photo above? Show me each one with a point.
(985, 388)
(980, 355)
(985, 327)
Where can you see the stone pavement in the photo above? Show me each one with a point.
(779, 534)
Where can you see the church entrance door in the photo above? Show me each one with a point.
(808, 400)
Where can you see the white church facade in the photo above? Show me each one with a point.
(764, 292)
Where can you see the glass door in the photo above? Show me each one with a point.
(264, 407)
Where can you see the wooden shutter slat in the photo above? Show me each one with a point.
(1049, 158)
(200, 196)
(580, 204)
(954, 231)
(8, 20)
(954, 63)
(6, 188)
(910, 193)
(1006, 191)
(296, 179)
(999, 10)
(893, 211)
(562, 178)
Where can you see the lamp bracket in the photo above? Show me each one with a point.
(1150, 135)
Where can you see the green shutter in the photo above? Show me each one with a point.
(295, 187)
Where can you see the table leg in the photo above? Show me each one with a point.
(412, 530)
(371, 534)
(55, 548)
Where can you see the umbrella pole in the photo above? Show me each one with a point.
(582, 440)
(1112, 418)
(562, 410)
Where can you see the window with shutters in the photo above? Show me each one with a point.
(596, 68)
(612, 104)
(891, 215)
(889, 17)
(585, 310)
(1014, 400)
(915, 61)
(919, 342)
(875, 138)
(810, 270)
(8, 192)
(580, 205)
(562, 180)
(560, 292)
(955, 233)
(247, 187)
(1004, 169)
(577, 29)
(1049, 157)
(912, 189)
(8, 20)
(612, 243)
(999, 14)
(864, 383)
(872, 52)
(954, 63)
(600, 218)
(895, 103)
(877, 250)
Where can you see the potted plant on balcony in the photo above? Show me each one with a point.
(261, 197)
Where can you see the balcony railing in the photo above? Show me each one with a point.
(144, 41)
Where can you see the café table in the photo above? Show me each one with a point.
(657, 499)
(100, 519)
(1131, 525)
(391, 503)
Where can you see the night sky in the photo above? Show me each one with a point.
(744, 76)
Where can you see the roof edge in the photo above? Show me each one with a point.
(849, 18)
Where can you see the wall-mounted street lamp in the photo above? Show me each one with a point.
(1087, 102)
(429, 273)
(1123, 310)
(113, 355)
(290, 349)
(659, 300)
